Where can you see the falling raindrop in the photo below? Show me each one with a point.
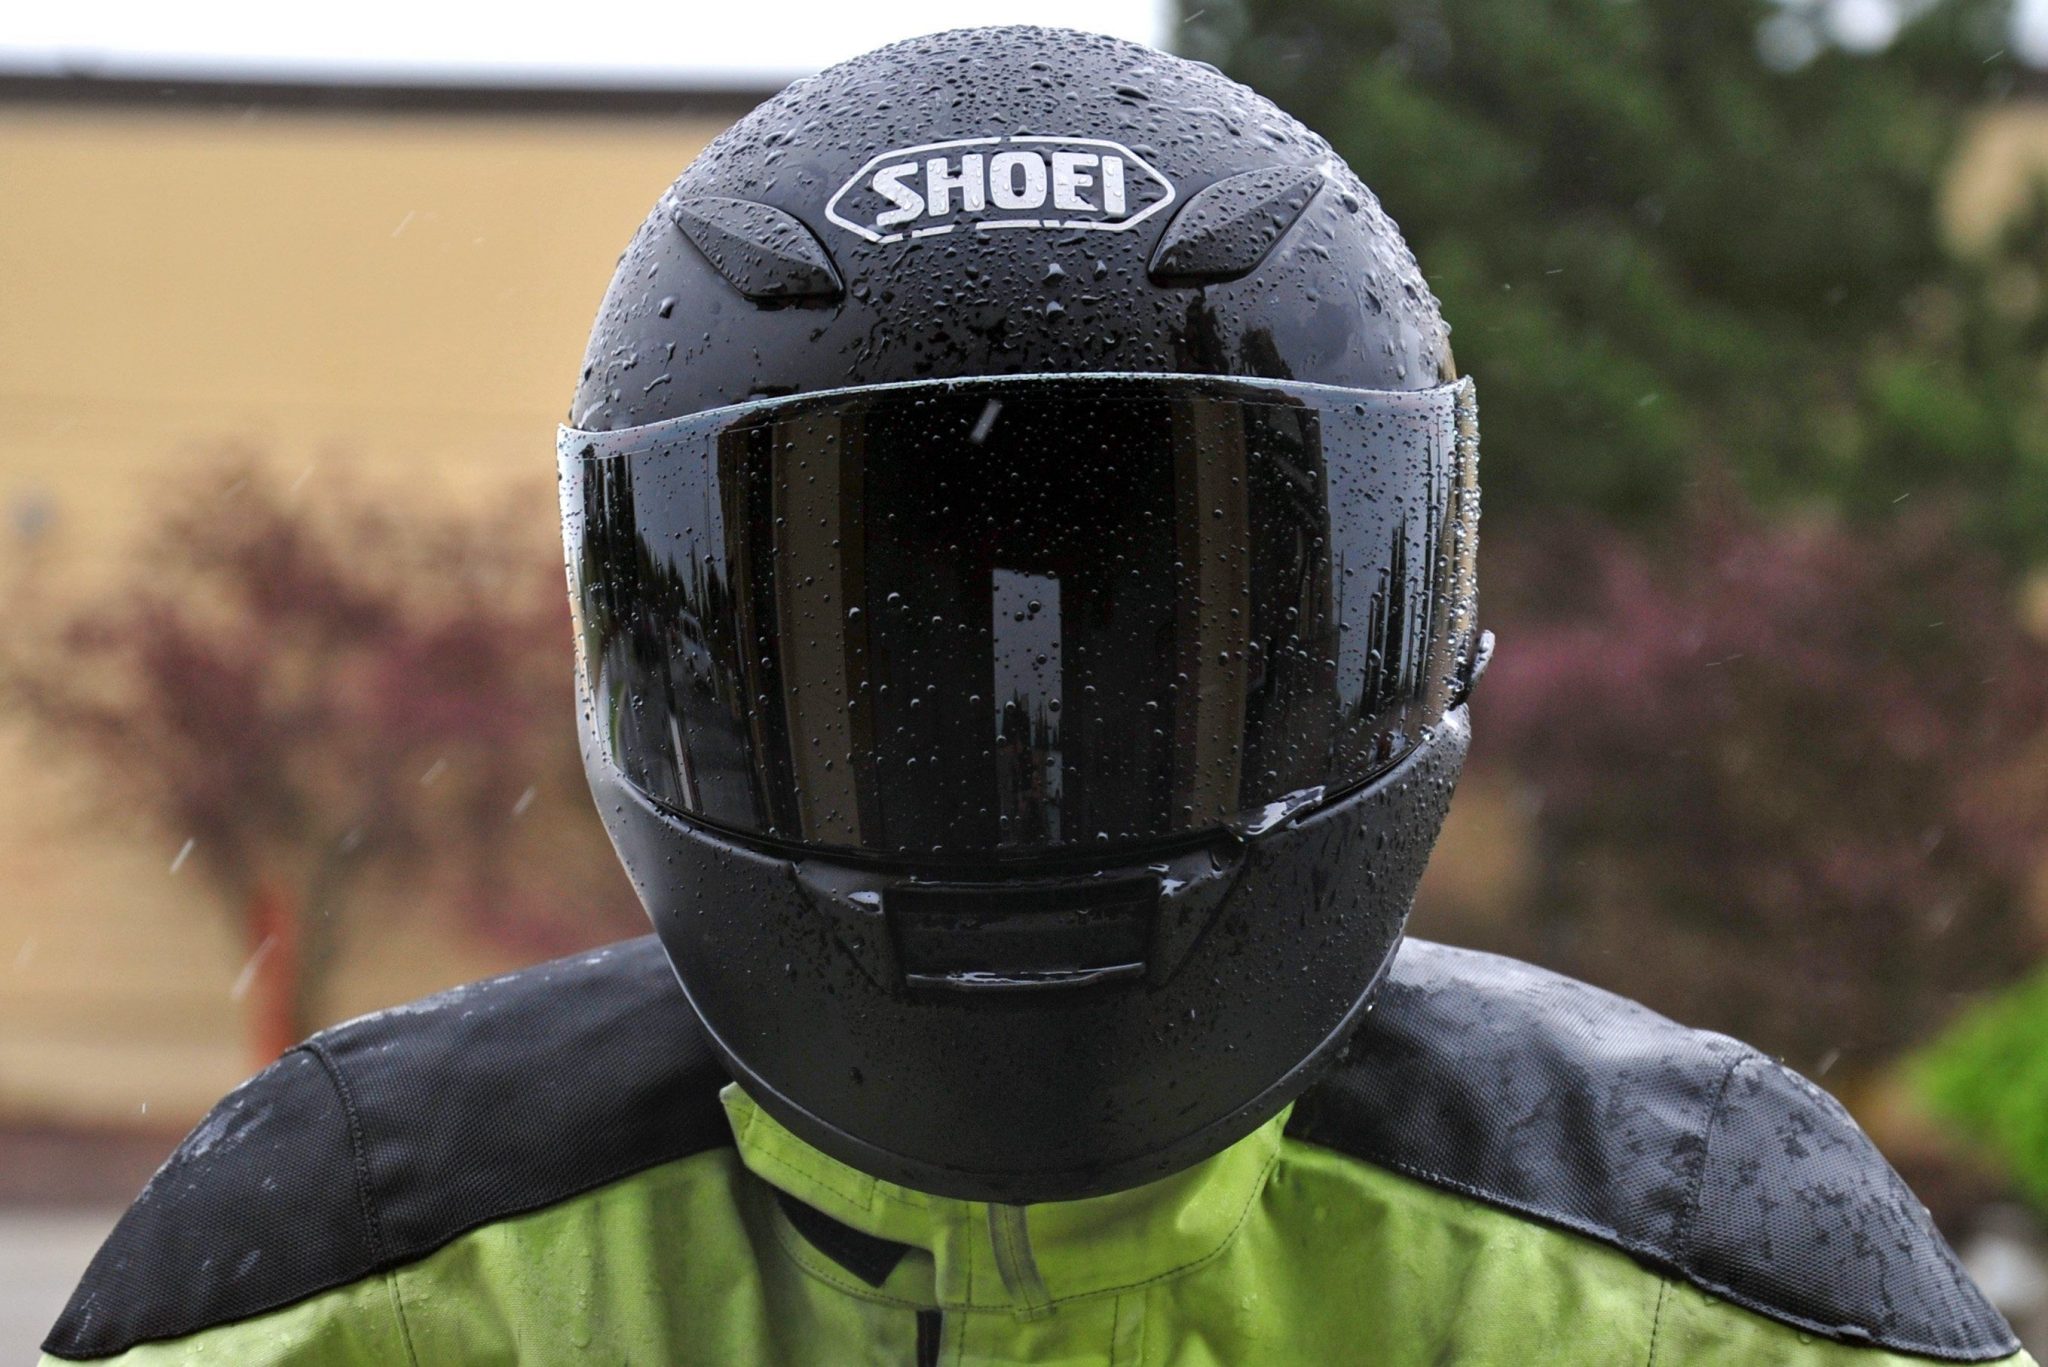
(254, 965)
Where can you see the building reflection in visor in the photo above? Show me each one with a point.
(1019, 616)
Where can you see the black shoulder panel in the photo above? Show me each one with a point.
(1688, 1150)
(378, 1141)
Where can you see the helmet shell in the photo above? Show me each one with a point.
(1009, 202)
(1337, 299)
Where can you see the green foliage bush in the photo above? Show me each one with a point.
(1988, 1077)
(1660, 254)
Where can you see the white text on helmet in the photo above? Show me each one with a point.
(986, 183)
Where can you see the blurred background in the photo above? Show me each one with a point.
(1757, 296)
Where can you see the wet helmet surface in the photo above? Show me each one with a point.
(1020, 517)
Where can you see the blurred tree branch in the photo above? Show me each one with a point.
(1815, 759)
(319, 695)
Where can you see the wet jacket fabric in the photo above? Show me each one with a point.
(549, 1167)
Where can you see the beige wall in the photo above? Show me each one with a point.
(387, 295)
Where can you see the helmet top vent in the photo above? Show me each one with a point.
(767, 254)
(1231, 226)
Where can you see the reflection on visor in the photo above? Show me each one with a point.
(1022, 615)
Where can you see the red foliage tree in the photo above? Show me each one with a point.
(322, 696)
(1789, 779)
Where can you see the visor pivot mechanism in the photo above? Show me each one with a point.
(1476, 661)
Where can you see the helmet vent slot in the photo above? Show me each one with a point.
(1231, 226)
(1032, 937)
(765, 252)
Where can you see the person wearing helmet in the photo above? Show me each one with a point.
(1021, 517)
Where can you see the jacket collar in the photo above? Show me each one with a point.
(971, 1255)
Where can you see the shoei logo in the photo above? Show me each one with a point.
(986, 184)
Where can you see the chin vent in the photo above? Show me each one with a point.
(1227, 229)
(768, 255)
(964, 937)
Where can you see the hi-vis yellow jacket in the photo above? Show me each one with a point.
(1508, 1168)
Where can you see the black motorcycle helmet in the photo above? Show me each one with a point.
(1020, 516)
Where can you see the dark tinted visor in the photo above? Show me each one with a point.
(1020, 616)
